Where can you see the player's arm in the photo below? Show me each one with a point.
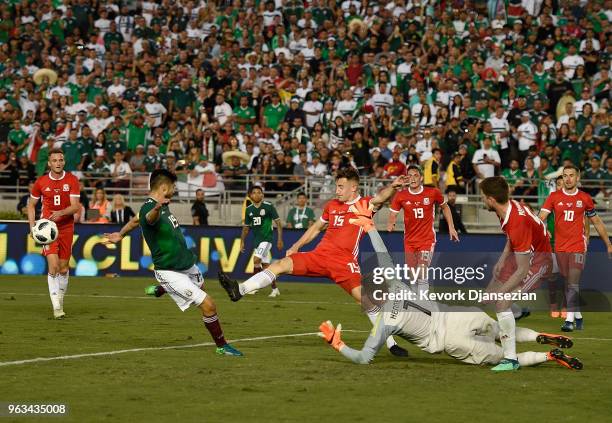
(603, 233)
(448, 216)
(310, 234)
(32, 201)
(546, 208)
(502, 258)
(153, 215)
(115, 237)
(522, 268)
(373, 344)
(243, 235)
(279, 228)
(389, 191)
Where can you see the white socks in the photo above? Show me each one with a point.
(573, 302)
(525, 335)
(532, 358)
(373, 315)
(54, 289)
(257, 281)
(507, 333)
(63, 287)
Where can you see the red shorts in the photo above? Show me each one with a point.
(344, 271)
(567, 261)
(538, 271)
(419, 255)
(62, 245)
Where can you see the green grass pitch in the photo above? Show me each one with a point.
(279, 379)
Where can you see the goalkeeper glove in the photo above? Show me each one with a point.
(331, 335)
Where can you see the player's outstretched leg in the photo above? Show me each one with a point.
(231, 286)
(564, 359)
(212, 324)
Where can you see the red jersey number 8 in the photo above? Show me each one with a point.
(56, 200)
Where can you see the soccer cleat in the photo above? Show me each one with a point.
(398, 351)
(227, 349)
(564, 359)
(155, 290)
(563, 313)
(275, 293)
(524, 313)
(253, 292)
(507, 364)
(555, 314)
(59, 314)
(230, 286)
(579, 324)
(556, 340)
(567, 326)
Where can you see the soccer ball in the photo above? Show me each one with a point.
(45, 231)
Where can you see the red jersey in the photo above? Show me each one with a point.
(570, 210)
(56, 195)
(341, 237)
(525, 231)
(419, 214)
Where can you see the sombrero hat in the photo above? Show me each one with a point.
(229, 155)
(40, 74)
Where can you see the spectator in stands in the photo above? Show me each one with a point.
(199, 211)
(120, 213)
(137, 159)
(100, 209)
(431, 169)
(98, 172)
(26, 172)
(234, 172)
(451, 201)
(120, 172)
(454, 176)
(300, 216)
(486, 160)
(395, 167)
(22, 205)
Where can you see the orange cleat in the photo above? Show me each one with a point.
(563, 314)
(564, 359)
(556, 340)
(555, 314)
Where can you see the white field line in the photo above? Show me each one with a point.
(173, 347)
(134, 297)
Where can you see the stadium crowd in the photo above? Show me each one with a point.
(211, 90)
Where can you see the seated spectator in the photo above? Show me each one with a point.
(98, 172)
(137, 159)
(120, 213)
(22, 206)
(486, 160)
(100, 210)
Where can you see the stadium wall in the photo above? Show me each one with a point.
(218, 247)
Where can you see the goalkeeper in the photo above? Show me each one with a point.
(467, 334)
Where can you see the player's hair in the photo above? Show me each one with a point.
(55, 151)
(572, 166)
(451, 189)
(253, 188)
(559, 178)
(496, 187)
(349, 173)
(161, 177)
(301, 194)
(415, 167)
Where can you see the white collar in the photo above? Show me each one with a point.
(418, 192)
(353, 201)
(58, 179)
(507, 213)
(567, 193)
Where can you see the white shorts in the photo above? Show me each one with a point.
(470, 337)
(263, 252)
(183, 286)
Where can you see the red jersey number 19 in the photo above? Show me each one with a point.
(418, 213)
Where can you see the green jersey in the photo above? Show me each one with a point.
(165, 239)
(260, 220)
(300, 218)
(274, 115)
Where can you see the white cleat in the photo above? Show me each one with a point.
(59, 314)
(275, 293)
(253, 292)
